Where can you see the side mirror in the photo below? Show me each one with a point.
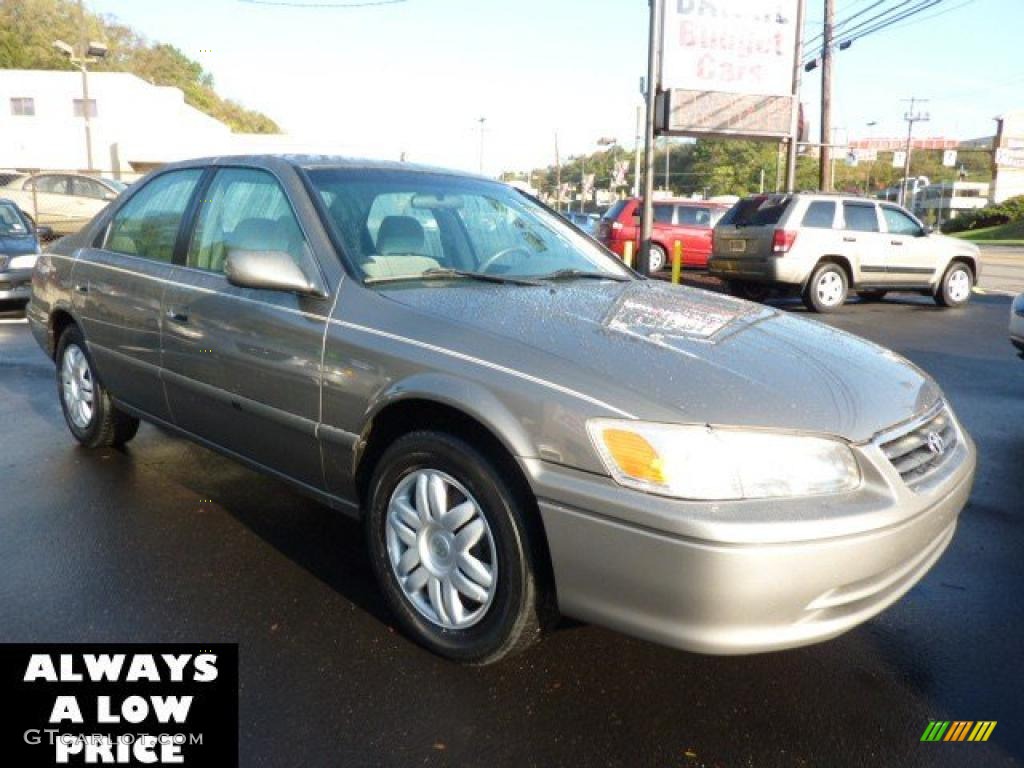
(270, 271)
(926, 230)
(44, 233)
(108, 196)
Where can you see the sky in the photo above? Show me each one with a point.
(415, 77)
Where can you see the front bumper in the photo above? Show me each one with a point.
(743, 577)
(16, 285)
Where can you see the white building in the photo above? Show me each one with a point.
(135, 125)
(936, 203)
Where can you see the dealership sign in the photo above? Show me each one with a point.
(727, 67)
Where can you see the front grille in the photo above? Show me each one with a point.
(924, 448)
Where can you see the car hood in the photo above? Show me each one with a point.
(16, 245)
(686, 355)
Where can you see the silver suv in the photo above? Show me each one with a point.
(825, 245)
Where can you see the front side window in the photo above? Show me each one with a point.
(148, 224)
(401, 225)
(820, 215)
(245, 209)
(860, 217)
(23, 106)
(899, 223)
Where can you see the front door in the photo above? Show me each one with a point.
(243, 366)
(909, 259)
(118, 289)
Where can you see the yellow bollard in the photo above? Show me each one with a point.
(677, 262)
(627, 253)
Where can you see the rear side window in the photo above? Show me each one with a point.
(148, 224)
(820, 215)
(615, 211)
(757, 211)
(247, 210)
(692, 216)
(663, 213)
(860, 217)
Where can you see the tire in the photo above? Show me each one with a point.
(827, 289)
(955, 288)
(873, 295)
(658, 259)
(90, 414)
(505, 616)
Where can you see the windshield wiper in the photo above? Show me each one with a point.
(440, 273)
(582, 274)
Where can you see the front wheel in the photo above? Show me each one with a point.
(956, 285)
(451, 549)
(826, 290)
(91, 416)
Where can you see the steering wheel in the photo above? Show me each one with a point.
(502, 254)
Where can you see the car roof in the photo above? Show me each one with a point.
(272, 161)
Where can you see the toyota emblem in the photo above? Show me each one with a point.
(936, 444)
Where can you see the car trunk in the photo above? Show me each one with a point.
(747, 231)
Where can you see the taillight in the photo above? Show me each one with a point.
(783, 240)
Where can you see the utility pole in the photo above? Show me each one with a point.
(647, 220)
(911, 117)
(668, 164)
(825, 164)
(794, 117)
(558, 176)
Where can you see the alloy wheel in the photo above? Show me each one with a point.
(77, 386)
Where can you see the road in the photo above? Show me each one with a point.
(1002, 268)
(167, 541)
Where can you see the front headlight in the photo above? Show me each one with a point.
(714, 463)
(24, 261)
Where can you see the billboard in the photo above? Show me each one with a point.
(727, 67)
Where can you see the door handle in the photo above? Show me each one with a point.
(895, 242)
(81, 287)
(177, 316)
(849, 239)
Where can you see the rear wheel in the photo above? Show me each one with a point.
(451, 549)
(91, 416)
(658, 258)
(872, 295)
(956, 285)
(826, 290)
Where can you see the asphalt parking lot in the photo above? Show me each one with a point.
(167, 541)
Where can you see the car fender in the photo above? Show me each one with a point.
(471, 398)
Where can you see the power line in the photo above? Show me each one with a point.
(883, 20)
(287, 4)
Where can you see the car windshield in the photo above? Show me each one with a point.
(11, 222)
(402, 225)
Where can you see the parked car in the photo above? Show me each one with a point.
(585, 221)
(65, 202)
(447, 360)
(19, 247)
(823, 246)
(689, 222)
(1017, 322)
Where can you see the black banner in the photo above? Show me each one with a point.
(119, 704)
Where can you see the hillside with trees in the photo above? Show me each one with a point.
(29, 27)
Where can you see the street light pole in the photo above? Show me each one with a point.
(825, 155)
(90, 53)
(911, 117)
(647, 219)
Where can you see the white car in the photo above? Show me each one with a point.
(824, 246)
(65, 202)
(1017, 322)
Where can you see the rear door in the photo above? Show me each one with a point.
(242, 365)
(118, 287)
(863, 242)
(693, 230)
(909, 260)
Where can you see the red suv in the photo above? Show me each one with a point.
(688, 221)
